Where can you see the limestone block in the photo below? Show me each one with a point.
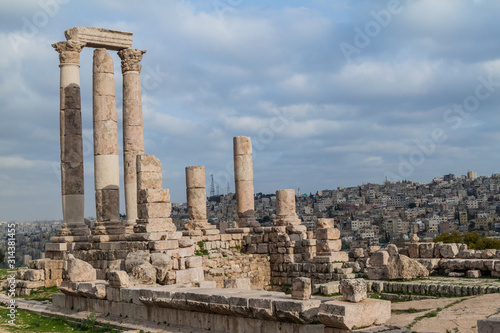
(193, 262)
(34, 275)
(437, 251)
(380, 258)
(104, 108)
(79, 270)
(329, 257)
(106, 172)
(169, 244)
(73, 178)
(296, 311)
(189, 275)
(59, 300)
(448, 250)
(54, 247)
(105, 137)
(195, 177)
(153, 196)
(133, 139)
(473, 273)
(92, 290)
(245, 198)
(197, 203)
(206, 284)
(328, 245)
(107, 205)
(301, 288)
(324, 223)
(99, 37)
(413, 250)
(402, 267)
(262, 307)
(242, 145)
(144, 273)
(392, 250)
(154, 210)
(328, 234)
(353, 290)
(242, 283)
(186, 242)
(330, 288)
(157, 224)
(148, 163)
(285, 202)
(136, 258)
(488, 254)
(149, 180)
(426, 250)
(490, 325)
(346, 315)
(377, 273)
(118, 279)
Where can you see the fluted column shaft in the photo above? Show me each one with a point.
(133, 131)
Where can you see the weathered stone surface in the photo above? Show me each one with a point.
(242, 283)
(330, 288)
(413, 250)
(353, 290)
(135, 259)
(448, 250)
(285, 202)
(34, 275)
(346, 315)
(79, 270)
(324, 223)
(473, 274)
(153, 195)
(328, 234)
(392, 250)
(301, 288)
(144, 273)
(490, 325)
(426, 250)
(328, 245)
(92, 290)
(118, 279)
(99, 37)
(402, 267)
(296, 311)
(380, 258)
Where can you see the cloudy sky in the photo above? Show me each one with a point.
(332, 93)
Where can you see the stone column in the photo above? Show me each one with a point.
(243, 178)
(106, 159)
(285, 208)
(72, 182)
(196, 199)
(133, 131)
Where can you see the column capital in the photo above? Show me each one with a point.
(130, 59)
(69, 51)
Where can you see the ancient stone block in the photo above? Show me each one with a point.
(148, 163)
(324, 223)
(99, 37)
(153, 196)
(242, 283)
(426, 250)
(328, 234)
(136, 258)
(380, 258)
(154, 210)
(448, 250)
(144, 273)
(301, 288)
(79, 270)
(118, 279)
(353, 290)
(346, 315)
(490, 325)
(328, 245)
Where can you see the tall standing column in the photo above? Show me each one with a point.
(243, 178)
(106, 159)
(133, 131)
(72, 182)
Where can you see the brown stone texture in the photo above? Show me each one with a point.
(324, 223)
(197, 203)
(328, 234)
(73, 176)
(328, 245)
(105, 137)
(79, 270)
(71, 99)
(245, 198)
(402, 267)
(73, 148)
(195, 177)
(153, 195)
(149, 180)
(242, 145)
(285, 202)
(346, 315)
(148, 163)
(107, 205)
(133, 139)
(301, 288)
(118, 279)
(154, 210)
(243, 167)
(353, 290)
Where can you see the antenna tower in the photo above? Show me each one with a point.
(212, 188)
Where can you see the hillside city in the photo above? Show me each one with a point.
(367, 215)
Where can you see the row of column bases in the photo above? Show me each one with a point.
(106, 158)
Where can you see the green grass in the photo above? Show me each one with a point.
(44, 294)
(31, 322)
(4, 273)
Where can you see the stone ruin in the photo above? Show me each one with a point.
(144, 268)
